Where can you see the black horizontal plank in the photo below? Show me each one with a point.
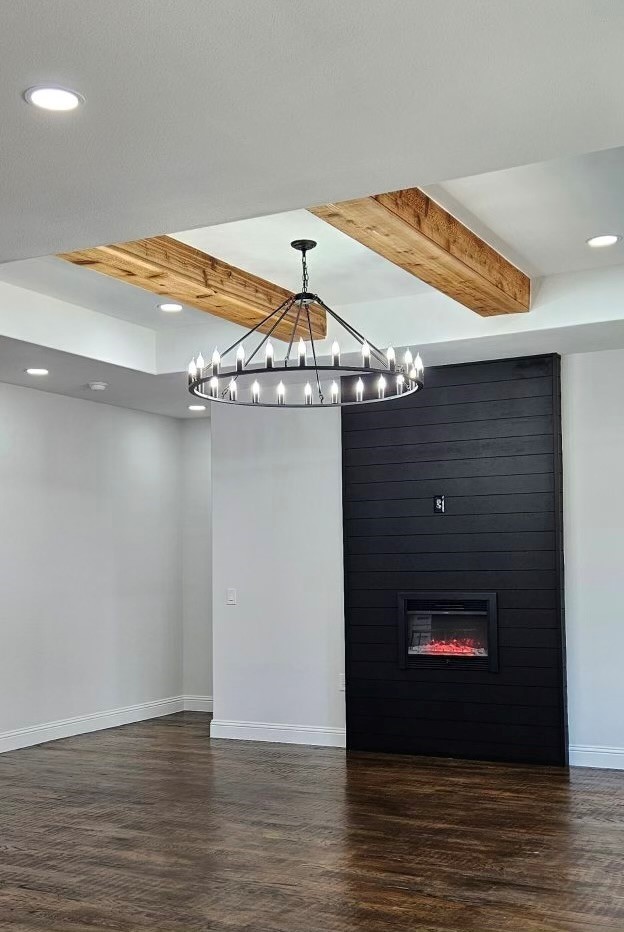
(498, 370)
(446, 433)
(441, 729)
(526, 503)
(528, 620)
(526, 638)
(388, 652)
(468, 750)
(437, 395)
(451, 673)
(516, 599)
(373, 634)
(512, 598)
(427, 709)
(454, 505)
(482, 542)
(462, 580)
(501, 694)
(462, 487)
(545, 618)
(529, 637)
(413, 415)
(451, 450)
(440, 562)
(450, 524)
(547, 658)
(443, 469)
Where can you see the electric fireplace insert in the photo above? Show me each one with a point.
(448, 629)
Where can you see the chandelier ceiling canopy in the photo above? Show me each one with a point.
(246, 374)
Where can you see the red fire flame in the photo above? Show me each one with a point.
(453, 646)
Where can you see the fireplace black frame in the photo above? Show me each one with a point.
(489, 663)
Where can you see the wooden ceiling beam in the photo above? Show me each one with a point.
(412, 231)
(169, 268)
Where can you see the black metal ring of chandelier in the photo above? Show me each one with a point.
(381, 380)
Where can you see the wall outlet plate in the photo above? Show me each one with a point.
(438, 504)
(230, 597)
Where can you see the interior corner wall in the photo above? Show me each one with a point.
(593, 452)
(277, 533)
(197, 564)
(90, 566)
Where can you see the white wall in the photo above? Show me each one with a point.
(277, 532)
(197, 561)
(90, 562)
(593, 454)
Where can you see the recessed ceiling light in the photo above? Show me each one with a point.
(170, 308)
(197, 407)
(36, 372)
(98, 386)
(605, 239)
(53, 98)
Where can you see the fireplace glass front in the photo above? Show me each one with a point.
(447, 627)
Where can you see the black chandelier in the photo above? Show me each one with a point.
(311, 383)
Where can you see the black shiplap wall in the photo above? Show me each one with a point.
(487, 436)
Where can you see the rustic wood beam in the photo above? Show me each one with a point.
(167, 267)
(412, 231)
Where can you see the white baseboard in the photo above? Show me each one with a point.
(588, 755)
(197, 703)
(285, 734)
(96, 721)
(82, 724)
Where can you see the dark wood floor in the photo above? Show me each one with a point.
(153, 826)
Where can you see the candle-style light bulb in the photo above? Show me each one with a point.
(400, 383)
(365, 354)
(240, 358)
(200, 364)
(214, 386)
(232, 389)
(216, 361)
(335, 352)
(407, 360)
(269, 355)
(334, 393)
(192, 370)
(307, 393)
(301, 352)
(281, 393)
(413, 375)
(391, 358)
(359, 390)
(255, 393)
(381, 387)
(418, 364)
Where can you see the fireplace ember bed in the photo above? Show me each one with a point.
(448, 629)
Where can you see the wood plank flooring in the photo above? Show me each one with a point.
(155, 826)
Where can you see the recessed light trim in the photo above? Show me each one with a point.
(35, 371)
(98, 386)
(197, 407)
(50, 97)
(604, 239)
(170, 307)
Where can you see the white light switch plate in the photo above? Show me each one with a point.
(230, 597)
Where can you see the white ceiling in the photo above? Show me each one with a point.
(70, 374)
(198, 113)
(57, 278)
(542, 215)
(342, 271)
